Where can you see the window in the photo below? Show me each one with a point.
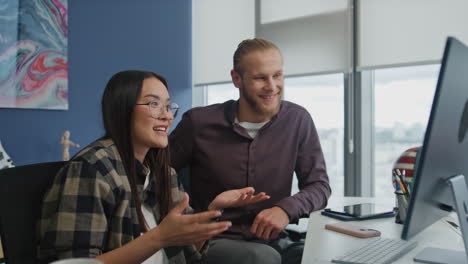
(403, 99)
(219, 93)
(323, 97)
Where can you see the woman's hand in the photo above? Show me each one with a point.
(177, 229)
(237, 198)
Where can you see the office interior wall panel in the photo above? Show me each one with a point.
(218, 26)
(280, 10)
(312, 44)
(402, 32)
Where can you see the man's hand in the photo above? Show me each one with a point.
(269, 223)
(237, 198)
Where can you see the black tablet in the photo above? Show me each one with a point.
(362, 210)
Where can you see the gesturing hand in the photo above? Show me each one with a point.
(269, 223)
(237, 198)
(177, 229)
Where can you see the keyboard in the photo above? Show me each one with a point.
(377, 251)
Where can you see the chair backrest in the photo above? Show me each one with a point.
(21, 192)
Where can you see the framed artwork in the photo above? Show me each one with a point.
(33, 54)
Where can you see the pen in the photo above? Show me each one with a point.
(406, 182)
(401, 174)
(405, 191)
(395, 181)
(401, 186)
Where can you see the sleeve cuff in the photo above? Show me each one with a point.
(289, 207)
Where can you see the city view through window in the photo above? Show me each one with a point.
(403, 99)
(323, 97)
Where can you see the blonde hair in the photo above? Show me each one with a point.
(250, 45)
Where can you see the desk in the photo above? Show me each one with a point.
(322, 245)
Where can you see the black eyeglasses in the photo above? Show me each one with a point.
(156, 108)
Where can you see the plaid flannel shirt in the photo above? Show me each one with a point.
(89, 209)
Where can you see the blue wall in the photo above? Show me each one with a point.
(104, 37)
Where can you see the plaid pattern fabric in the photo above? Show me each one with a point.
(89, 209)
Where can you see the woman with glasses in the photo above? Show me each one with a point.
(118, 200)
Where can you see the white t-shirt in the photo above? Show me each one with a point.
(160, 256)
(251, 128)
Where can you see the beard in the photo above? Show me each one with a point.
(254, 104)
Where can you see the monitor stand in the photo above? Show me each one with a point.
(438, 255)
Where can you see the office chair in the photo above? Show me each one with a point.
(21, 192)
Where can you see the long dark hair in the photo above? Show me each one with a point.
(118, 103)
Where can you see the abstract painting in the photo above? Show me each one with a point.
(33, 54)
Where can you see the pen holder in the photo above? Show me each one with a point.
(402, 207)
(403, 172)
(402, 192)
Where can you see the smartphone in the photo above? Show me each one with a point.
(360, 210)
(352, 230)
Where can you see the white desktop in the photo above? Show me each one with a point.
(323, 245)
(440, 185)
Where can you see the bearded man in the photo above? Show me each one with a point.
(259, 140)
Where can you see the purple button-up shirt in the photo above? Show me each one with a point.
(222, 156)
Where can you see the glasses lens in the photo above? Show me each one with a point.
(154, 105)
(155, 109)
(174, 108)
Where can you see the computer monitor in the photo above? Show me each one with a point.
(442, 167)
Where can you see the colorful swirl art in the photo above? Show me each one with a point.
(33, 54)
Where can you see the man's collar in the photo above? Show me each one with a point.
(234, 105)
